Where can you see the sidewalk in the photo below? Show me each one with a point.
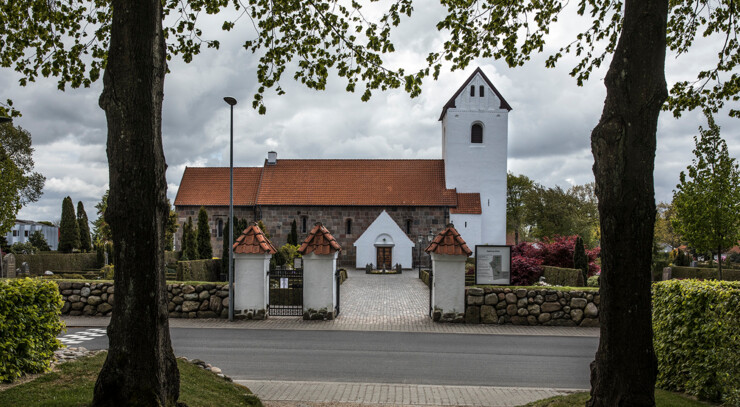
(284, 394)
(339, 324)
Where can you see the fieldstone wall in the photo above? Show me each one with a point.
(499, 305)
(185, 300)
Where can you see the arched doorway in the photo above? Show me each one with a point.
(384, 251)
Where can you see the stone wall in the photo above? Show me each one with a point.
(521, 306)
(185, 300)
(278, 220)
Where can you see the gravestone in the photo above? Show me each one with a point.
(25, 269)
(9, 265)
(667, 273)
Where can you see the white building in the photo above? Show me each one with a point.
(378, 210)
(23, 229)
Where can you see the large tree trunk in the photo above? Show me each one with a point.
(623, 145)
(140, 369)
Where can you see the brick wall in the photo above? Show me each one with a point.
(278, 219)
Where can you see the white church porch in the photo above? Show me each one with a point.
(383, 235)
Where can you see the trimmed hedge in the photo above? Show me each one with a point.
(696, 328)
(38, 263)
(29, 323)
(199, 270)
(563, 276)
(171, 257)
(424, 276)
(704, 273)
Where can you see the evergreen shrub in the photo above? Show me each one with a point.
(696, 328)
(29, 322)
(593, 281)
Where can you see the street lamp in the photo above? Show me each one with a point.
(231, 101)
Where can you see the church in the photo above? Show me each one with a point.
(381, 211)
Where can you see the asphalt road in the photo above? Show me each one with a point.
(385, 357)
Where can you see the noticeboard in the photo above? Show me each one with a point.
(493, 265)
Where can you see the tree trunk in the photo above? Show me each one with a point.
(140, 369)
(623, 144)
(719, 260)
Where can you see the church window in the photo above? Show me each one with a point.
(304, 224)
(472, 90)
(480, 91)
(466, 224)
(476, 133)
(408, 226)
(220, 228)
(349, 227)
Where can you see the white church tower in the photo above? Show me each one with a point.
(474, 143)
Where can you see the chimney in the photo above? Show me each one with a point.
(271, 158)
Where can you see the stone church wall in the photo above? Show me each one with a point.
(278, 219)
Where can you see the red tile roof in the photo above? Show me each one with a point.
(322, 183)
(356, 182)
(449, 242)
(319, 241)
(253, 241)
(209, 186)
(467, 204)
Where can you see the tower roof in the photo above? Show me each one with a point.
(451, 103)
(253, 241)
(449, 242)
(319, 241)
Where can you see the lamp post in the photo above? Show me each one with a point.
(231, 101)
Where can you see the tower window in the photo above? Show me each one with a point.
(349, 226)
(472, 90)
(476, 133)
(480, 91)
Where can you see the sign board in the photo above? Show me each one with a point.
(298, 263)
(284, 282)
(493, 265)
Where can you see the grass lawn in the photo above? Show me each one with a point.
(662, 399)
(72, 383)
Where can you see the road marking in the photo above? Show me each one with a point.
(81, 336)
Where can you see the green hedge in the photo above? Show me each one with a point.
(29, 323)
(696, 328)
(38, 263)
(704, 273)
(171, 257)
(424, 276)
(563, 276)
(199, 270)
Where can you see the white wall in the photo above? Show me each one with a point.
(319, 289)
(469, 227)
(448, 289)
(480, 167)
(250, 281)
(384, 226)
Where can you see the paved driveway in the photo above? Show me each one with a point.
(395, 299)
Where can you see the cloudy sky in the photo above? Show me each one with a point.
(549, 127)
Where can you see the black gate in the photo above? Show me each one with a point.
(338, 282)
(286, 292)
(431, 284)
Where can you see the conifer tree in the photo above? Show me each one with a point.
(580, 260)
(263, 227)
(69, 231)
(293, 236)
(84, 227)
(205, 251)
(189, 244)
(38, 241)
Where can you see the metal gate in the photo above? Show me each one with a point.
(286, 292)
(338, 282)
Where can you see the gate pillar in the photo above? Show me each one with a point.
(449, 252)
(252, 254)
(320, 251)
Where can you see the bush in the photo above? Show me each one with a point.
(704, 273)
(525, 270)
(38, 241)
(107, 272)
(29, 322)
(199, 270)
(563, 276)
(56, 262)
(556, 252)
(593, 281)
(23, 248)
(696, 328)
